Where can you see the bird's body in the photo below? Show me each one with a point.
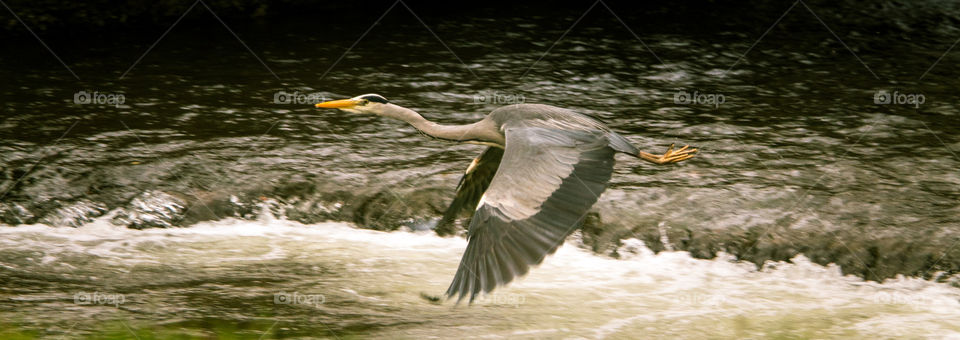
(552, 117)
(544, 169)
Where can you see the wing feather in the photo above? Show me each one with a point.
(546, 182)
(471, 187)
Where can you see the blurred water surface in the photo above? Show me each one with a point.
(801, 158)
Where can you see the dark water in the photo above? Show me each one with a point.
(801, 157)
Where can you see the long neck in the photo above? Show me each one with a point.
(482, 131)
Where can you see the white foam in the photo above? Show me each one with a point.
(644, 288)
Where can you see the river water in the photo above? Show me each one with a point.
(225, 278)
(209, 192)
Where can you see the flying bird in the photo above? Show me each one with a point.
(543, 169)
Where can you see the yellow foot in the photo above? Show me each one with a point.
(671, 156)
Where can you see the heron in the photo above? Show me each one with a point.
(542, 171)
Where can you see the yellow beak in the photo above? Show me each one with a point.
(338, 104)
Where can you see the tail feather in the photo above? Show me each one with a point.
(621, 144)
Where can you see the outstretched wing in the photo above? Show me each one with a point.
(472, 185)
(546, 183)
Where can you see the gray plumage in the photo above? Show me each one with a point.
(555, 165)
(471, 187)
(544, 169)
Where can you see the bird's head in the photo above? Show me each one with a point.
(364, 103)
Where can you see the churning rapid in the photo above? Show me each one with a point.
(280, 278)
(203, 194)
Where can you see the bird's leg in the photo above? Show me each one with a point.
(671, 156)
